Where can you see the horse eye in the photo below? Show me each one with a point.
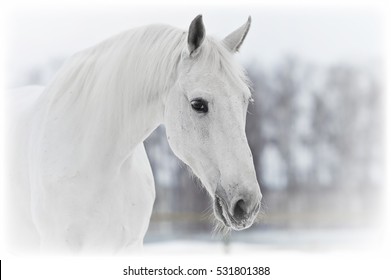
(200, 105)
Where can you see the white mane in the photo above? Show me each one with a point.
(98, 84)
(142, 60)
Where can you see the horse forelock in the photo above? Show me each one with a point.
(216, 59)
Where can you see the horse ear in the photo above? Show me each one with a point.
(234, 40)
(196, 34)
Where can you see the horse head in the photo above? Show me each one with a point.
(205, 116)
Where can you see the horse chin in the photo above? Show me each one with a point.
(222, 214)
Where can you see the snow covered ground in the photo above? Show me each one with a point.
(270, 240)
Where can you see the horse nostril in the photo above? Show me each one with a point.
(240, 210)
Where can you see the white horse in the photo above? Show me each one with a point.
(79, 175)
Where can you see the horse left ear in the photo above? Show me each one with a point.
(196, 34)
(234, 40)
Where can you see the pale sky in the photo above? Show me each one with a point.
(320, 36)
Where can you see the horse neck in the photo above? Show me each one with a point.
(105, 102)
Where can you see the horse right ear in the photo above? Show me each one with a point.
(196, 34)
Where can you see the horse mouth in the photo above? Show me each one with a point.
(222, 214)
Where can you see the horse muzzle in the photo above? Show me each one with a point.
(240, 214)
